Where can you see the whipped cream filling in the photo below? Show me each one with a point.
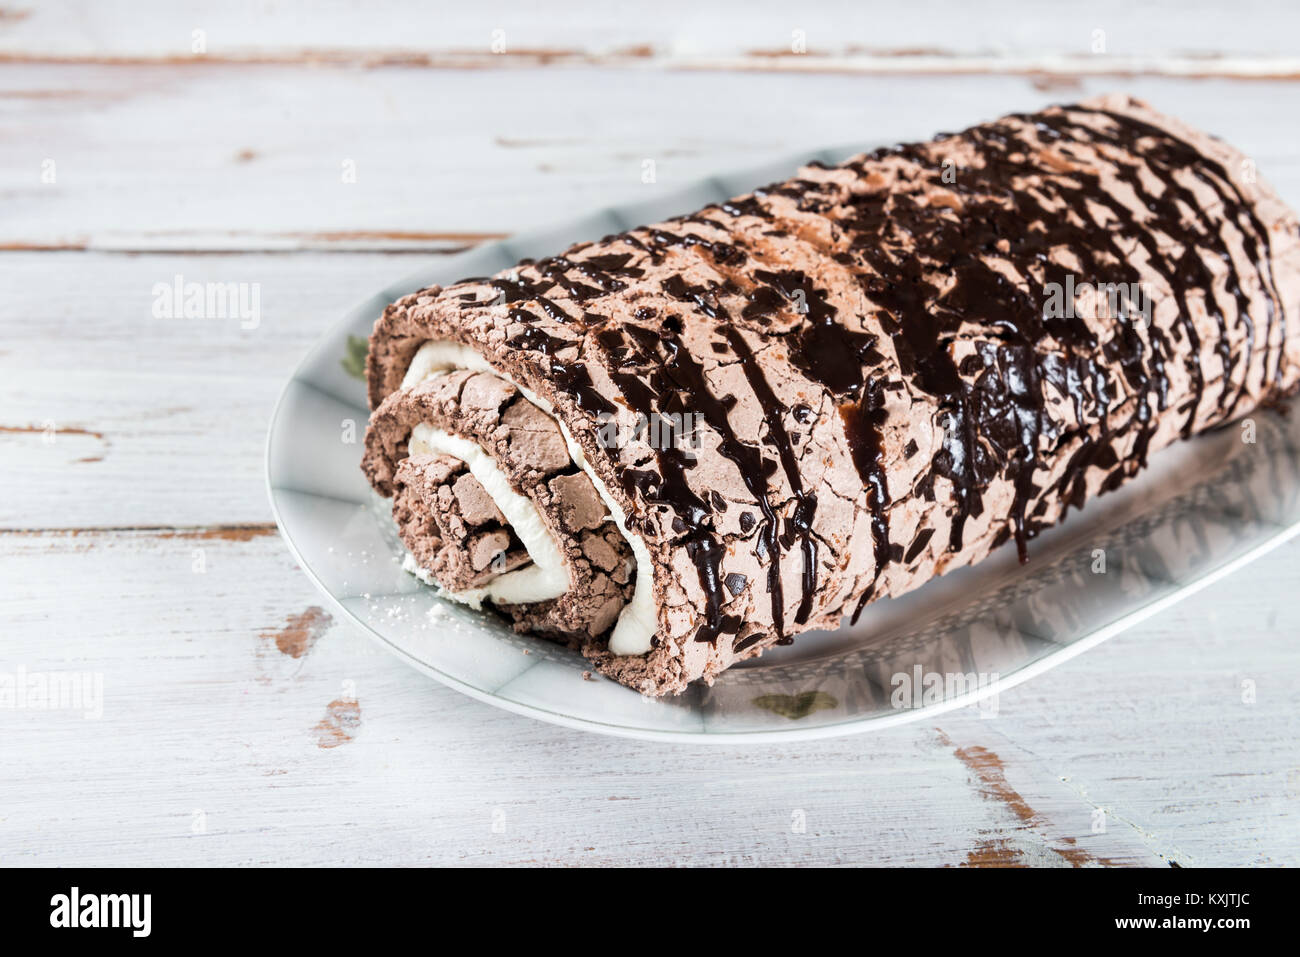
(637, 622)
(546, 577)
(439, 355)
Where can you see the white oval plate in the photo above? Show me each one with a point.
(1204, 509)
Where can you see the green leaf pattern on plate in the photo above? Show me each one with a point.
(354, 363)
(796, 706)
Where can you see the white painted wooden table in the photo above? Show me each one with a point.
(135, 538)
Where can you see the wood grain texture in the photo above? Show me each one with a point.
(257, 158)
(207, 708)
(240, 723)
(1198, 37)
(96, 392)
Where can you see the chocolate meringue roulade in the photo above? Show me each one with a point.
(679, 445)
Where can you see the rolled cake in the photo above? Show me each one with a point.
(680, 445)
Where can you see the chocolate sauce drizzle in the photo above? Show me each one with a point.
(930, 273)
(995, 402)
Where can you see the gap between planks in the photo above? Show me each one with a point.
(331, 241)
(850, 60)
(228, 533)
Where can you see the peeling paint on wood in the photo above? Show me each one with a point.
(340, 724)
(990, 774)
(300, 632)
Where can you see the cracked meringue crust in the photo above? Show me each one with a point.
(884, 383)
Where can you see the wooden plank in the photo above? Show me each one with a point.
(258, 157)
(1201, 36)
(113, 417)
(231, 699)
